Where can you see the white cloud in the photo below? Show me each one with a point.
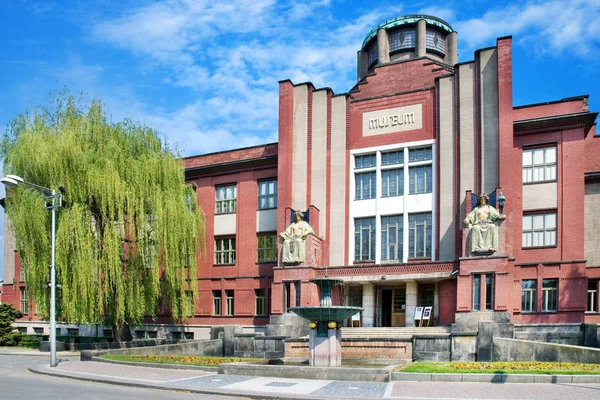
(556, 26)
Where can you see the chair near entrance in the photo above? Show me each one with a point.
(422, 316)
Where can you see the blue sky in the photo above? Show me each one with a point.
(205, 73)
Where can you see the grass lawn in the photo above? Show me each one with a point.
(201, 361)
(532, 367)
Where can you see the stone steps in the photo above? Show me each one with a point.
(397, 332)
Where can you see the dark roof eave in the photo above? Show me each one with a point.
(231, 166)
(584, 118)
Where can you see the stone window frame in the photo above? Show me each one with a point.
(230, 302)
(217, 306)
(592, 292)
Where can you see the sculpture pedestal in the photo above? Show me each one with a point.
(325, 346)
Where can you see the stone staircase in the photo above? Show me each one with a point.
(396, 332)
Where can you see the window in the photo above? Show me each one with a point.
(24, 303)
(176, 335)
(539, 164)
(392, 182)
(419, 235)
(188, 335)
(400, 40)
(190, 298)
(365, 181)
(392, 157)
(528, 295)
(550, 295)
(226, 199)
(261, 301)
(489, 292)
(72, 332)
(476, 292)
(267, 194)
(267, 248)
(399, 300)
(365, 186)
(373, 52)
(229, 302)
(420, 176)
(38, 331)
(297, 293)
(152, 334)
(420, 179)
(539, 230)
(364, 239)
(592, 295)
(435, 41)
(225, 251)
(107, 332)
(216, 302)
(391, 238)
(140, 334)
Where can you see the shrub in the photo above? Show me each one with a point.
(8, 335)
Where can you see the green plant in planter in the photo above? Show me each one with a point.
(8, 335)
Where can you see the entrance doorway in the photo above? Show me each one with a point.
(386, 307)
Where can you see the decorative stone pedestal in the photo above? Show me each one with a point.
(325, 346)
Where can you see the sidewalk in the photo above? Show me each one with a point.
(197, 381)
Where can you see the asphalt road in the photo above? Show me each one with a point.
(17, 383)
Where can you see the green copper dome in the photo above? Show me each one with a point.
(408, 20)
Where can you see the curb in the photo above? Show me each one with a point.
(157, 365)
(493, 378)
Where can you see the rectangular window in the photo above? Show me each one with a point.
(592, 295)
(261, 302)
(419, 235)
(364, 239)
(226, 199)
(225, 251)
(421, 180)
(539, 230)
(216, 302)
(365, 186)
(72, 332)
(489, 292)
(229, 302)
(392, 234)
(24, 303)
(392, 182)
(476, 292)
(528, 295)
(392, 157)
(416, 155)
(267, 248)
(367, 161)
(550, 295)
(267, 194)
(539, 165)
(188, 335)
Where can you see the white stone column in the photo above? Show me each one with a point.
(411, 302)
(368, 316)
(421, 38)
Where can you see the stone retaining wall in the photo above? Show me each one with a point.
(525, 350)
(192, 348)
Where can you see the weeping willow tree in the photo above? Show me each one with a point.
(130, 232)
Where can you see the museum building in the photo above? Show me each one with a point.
(391, 177)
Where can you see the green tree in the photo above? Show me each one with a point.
(8, 335)
(131, 230)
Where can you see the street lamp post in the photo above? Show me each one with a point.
(56, 201)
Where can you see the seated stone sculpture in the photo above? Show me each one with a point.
(294, 238)
(482, 223)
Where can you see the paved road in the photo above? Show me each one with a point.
(17, 383)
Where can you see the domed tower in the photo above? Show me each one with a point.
(408, 37)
